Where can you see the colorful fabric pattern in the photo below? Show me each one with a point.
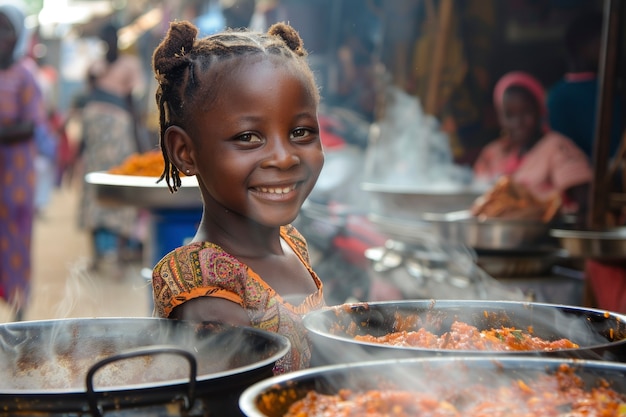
(203, 269)
(20, 101)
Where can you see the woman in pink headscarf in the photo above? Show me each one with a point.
(544, 161)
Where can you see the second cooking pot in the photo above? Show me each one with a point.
(599, 334)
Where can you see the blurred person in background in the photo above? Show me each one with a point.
(359, 72)
(48, 136)
(534, 156)
(572, 101)
(109, 134)
(21, 115)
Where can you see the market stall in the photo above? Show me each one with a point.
(173, 217)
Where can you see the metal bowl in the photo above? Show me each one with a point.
(607, 244)
(516, 265)
(462, 228)
(599, 334)
(437, 376)
(498, 233)
(144, 192)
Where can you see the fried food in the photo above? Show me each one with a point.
(463, 336)
(559, 393)
(508, 200)
(147, 164)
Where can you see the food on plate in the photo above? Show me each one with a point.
(560, 393)
(463, 336)
(147, 164)
(508, 200)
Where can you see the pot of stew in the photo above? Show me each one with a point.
(96, 365)
(444, 387)
(413, 328)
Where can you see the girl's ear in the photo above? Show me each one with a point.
(179, 148)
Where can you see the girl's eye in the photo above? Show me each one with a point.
(300, 133)
(250, 138)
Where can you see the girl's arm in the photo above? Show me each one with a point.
(211, 309)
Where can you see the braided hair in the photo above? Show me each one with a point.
(179, 57)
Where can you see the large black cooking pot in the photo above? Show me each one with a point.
(436, 375)
(599, 334)
(92, 366)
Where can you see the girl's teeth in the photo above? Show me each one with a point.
(276, 190)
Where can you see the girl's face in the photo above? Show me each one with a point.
(256, 148)
(519, 116)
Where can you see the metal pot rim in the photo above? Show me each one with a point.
(310, 320)
(281, 342)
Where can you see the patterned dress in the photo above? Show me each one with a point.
(20, 101)
(203, 269)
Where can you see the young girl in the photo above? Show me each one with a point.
(239, 111)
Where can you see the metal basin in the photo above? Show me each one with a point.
(443, 378)
(599, 334)
(461, 228)
(607, 244)
(144, 192)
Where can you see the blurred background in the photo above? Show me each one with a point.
(407, 88)
(448, 54)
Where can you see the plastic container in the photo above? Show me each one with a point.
(172, 228)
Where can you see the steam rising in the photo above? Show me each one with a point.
(55, 355)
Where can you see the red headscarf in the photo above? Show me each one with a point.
(524, 80)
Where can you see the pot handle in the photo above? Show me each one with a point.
(96, 409)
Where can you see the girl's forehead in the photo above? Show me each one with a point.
(257, 68)
(234, 65)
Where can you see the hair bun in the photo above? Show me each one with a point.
(289, 35)
(173, 48)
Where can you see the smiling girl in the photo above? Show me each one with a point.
(238, 110)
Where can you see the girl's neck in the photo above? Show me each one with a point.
(239, 236)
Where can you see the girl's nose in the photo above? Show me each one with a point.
(282, 155)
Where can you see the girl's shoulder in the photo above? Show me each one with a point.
(298, 242)
(204, 249)
(290, 232)
(195, 250)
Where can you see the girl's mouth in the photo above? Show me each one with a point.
(276, 190)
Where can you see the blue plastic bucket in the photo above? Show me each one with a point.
(172, 228)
